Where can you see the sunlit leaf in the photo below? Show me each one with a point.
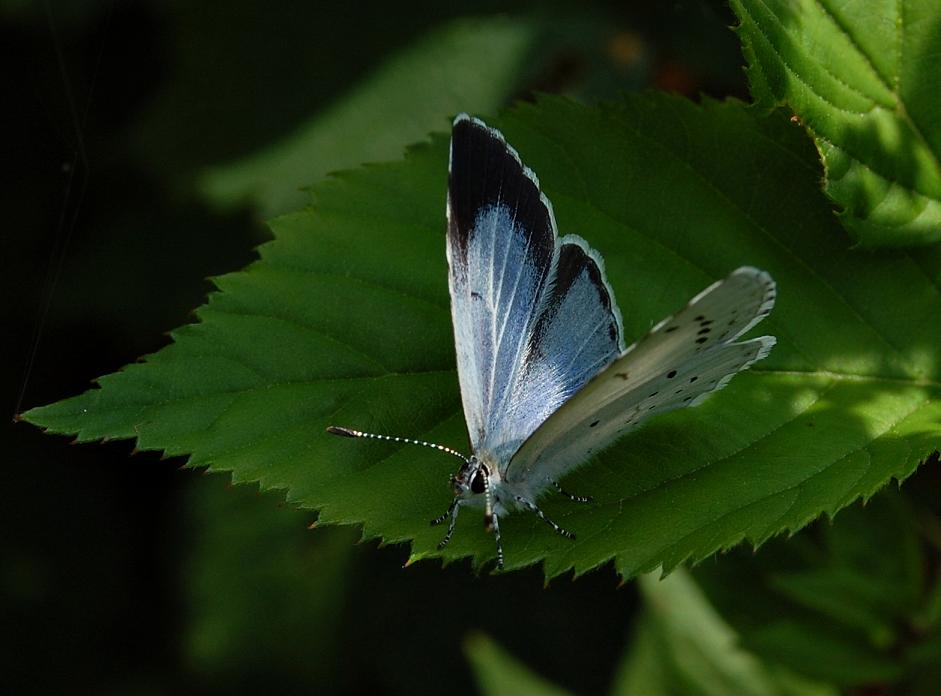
(864, 78)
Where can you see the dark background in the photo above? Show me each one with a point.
(123, 573)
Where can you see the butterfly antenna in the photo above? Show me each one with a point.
(349, 432)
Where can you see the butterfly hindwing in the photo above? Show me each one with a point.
(669, 368)
(556, 363)
(516, 291)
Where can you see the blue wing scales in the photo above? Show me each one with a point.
(517, 290)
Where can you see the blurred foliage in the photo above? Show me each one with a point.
(140, 578)
(277, 616)
(460, 66)
(854, 602)
(499, 674)
(680, 646)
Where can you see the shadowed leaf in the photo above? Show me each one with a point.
(499, 674)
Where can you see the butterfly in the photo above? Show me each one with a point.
(546, 380)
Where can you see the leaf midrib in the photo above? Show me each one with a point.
(853, 376)
(825, 374)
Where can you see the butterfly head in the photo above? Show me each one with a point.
(478, 483)
(471, 479)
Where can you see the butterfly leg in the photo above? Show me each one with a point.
(450, 511)
(492, 521)
(451, 516)
(570, 496)
(496, 534)
(532, 507)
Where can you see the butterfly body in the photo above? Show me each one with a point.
(546, 380)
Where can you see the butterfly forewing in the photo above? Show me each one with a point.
(670, 368)
(516, 290)
(557, 363)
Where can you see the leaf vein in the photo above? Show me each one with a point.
(295, 324)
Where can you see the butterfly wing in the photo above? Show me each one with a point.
(516, 291)
(683, 359)
(576, 334)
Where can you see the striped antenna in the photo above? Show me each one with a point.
(349, 432)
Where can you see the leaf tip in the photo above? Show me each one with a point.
(414, 558)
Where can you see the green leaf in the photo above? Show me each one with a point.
(464, 65)
(863, 78)
(841, 604)
(345, 321)
(925, 660)
(873, 581)
(500, 674)
(242, 621)
(819, 652)
(682, 646)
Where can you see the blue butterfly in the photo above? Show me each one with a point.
(546, 380)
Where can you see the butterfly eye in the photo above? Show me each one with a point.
(477, 485)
